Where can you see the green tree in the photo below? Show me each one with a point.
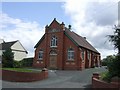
(8, 58)
(115, 39)
(107, 60)
(114, 66)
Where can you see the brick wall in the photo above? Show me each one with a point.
(23, 76)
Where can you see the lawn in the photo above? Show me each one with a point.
(22, 69)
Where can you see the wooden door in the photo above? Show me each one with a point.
(53, 62)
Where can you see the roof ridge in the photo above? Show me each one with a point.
(12, 41)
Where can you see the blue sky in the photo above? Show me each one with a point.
(25, 21)
(42, 12)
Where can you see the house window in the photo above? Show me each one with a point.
(70, 54)
(40, 55)
(88, 55)
(53, 41)
(83, 54)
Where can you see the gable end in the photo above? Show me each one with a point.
(39, 41)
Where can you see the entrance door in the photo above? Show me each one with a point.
(53, 61)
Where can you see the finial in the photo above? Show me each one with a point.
(46, 26)
(54, 18)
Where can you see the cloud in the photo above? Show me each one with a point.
(94, 20)
(102, 13)
(28, 33)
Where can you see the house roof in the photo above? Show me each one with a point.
(7, 45)
(75, 38)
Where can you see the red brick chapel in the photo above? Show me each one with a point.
(60, 48)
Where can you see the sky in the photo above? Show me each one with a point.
(26, 21)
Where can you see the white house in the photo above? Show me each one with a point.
(16, 47)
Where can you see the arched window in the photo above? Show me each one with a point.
(40, 55)
(70, 54)
(53, 41)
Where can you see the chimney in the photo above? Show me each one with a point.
(63, 26)
(84, 37)
(69, 27)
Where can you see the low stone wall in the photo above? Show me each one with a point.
(97, 83)
(24, 76)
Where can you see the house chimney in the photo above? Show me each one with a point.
(69, 27)
(63, 26)
(84, 37)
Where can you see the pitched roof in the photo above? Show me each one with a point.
(80, 41)
(39, 41)
(7, 45)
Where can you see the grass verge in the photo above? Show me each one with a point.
(21, 69)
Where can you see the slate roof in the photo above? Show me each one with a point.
(6, 45)
(80, 41)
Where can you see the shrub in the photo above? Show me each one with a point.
(17, 64)
(106, 76)
(27, 62)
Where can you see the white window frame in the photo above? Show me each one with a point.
(70, 54)
(83, 54)
(88, 55)
(53, 42)
(40, 55)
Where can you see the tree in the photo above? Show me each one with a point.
(114, 66)
(8, 58)
(115, 39)
(107, 60)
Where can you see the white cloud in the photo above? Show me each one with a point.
(95, 20)
(15, 29)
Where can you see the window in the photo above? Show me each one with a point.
(70, 54)
(83, 54)
(53, 41)
(40, 55)
(88, 55)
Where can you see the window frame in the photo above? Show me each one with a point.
(88, 55)
(40, 55)
(53, 42)
(70, 54)
(83, 54)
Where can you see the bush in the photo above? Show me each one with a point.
(106, 76)
(17, 64)
(27, 62)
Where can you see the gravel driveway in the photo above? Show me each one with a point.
(59, 79)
